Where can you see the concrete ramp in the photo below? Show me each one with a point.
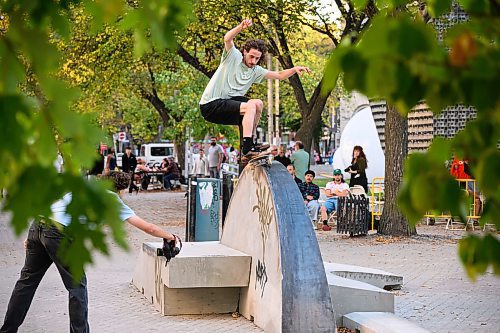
(267, 219)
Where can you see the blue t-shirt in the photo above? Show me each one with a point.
(59, 209)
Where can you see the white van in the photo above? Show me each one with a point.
(154, 153)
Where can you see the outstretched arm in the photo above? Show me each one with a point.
(149, 228)
(229, 37)
(285, 74)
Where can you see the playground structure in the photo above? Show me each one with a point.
(268, 267)
(473, 213)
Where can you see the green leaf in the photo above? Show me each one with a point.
(479, 252)
(355, 67)
(14, 133)
(437, 8)
(479, 7)
(333, 69)
(11, 71)
(360, 4)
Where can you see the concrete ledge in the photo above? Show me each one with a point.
(205, 265)
(206, 276)
(380, 322)
(375, 277)
(352, 296)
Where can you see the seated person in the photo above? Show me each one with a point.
(141, 166)
(310, 193)
(337, 188)
(172, 173)
(164, 164)
(292, 172)
(140, 173)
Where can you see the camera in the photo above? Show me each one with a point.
(170, 248)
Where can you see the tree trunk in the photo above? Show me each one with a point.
(181, 153)
(311, 117)
(392, 221)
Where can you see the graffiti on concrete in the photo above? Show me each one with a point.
(261, 276)
(265, 210)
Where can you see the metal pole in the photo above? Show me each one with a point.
(191, 210)
(270, 126)
(227, 191)
(277, 106)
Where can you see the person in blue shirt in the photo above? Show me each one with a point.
(42, 245)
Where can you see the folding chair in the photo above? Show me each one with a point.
(357, 190)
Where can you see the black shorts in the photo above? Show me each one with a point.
(224, 111)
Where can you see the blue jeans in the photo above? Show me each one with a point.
(331, 204)
(41, 251)
(166, 180)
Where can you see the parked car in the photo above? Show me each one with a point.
(154, 153)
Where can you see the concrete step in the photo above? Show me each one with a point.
(380, 322)
(375, 277)
(351, 296)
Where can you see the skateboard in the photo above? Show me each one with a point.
(263, 158)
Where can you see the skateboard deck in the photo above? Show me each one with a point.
(262, 158)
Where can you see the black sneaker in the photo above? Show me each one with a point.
(251, 153)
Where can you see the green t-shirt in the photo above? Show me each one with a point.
(300, 160)
(232, 78)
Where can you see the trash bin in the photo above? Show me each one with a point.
(353, 215)
(203, 210)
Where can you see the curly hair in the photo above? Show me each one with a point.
(121, 180)
(257, 44)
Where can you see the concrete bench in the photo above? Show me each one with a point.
(380, 322)
(204, 278)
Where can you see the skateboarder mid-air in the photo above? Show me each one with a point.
(224, 101)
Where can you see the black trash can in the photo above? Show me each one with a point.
(353, 215)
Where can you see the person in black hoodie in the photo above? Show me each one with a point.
(98, 167)
(129, 163)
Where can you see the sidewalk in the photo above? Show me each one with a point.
(436, 293)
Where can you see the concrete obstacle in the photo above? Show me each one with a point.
(205, 277)
(267, 219)
(267, 266)
(375, 277)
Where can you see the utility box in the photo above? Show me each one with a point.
(203, 218)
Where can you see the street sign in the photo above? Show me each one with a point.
(122, 136)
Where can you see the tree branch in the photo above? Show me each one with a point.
(193, 61)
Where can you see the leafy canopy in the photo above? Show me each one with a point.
(399, 58)
(37, 119)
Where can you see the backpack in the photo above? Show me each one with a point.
(457, 169)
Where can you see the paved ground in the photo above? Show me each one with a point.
(436, 293)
